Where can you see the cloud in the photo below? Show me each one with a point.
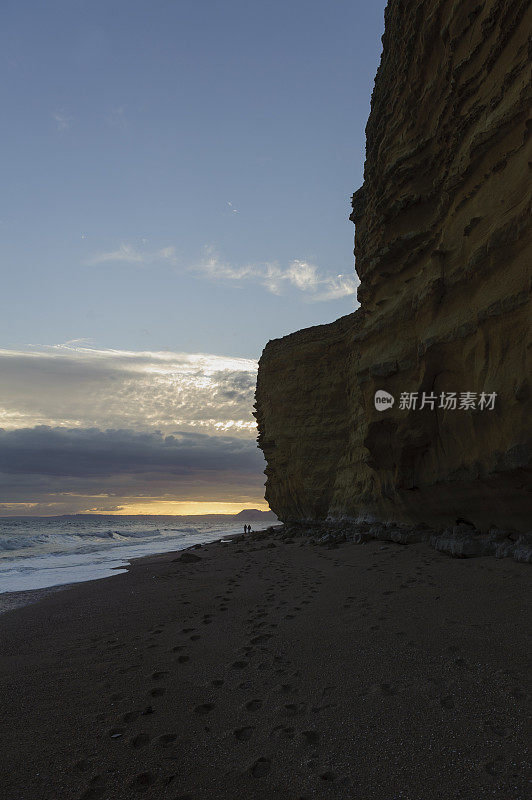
(62, 470)
(62, 120)
(117, 118)
(82, 340)
(87, 429)
(88, 453)
(299, 274)
(129, 254)
(73, 385)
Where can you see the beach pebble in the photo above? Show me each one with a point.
(187, 558)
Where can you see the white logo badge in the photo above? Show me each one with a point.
(383, 400)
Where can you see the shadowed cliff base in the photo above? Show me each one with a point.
(442, 248)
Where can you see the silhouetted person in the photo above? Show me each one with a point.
(245, 528)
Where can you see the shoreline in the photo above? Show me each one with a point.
(11, 600)
(267, 668)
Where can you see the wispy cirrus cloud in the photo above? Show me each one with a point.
(62, 120)
(131, 254)
(299, 274)
(117, 117)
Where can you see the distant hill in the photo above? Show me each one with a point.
(255, 515)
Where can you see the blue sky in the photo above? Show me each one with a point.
(177, 175)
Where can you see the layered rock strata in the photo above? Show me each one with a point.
(442, 249)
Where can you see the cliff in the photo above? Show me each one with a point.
(442, 248)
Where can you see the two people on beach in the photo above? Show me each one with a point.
(247, 528)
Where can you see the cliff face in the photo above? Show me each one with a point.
(442, 247)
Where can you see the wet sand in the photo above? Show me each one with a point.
(271, 669)
(11, 600)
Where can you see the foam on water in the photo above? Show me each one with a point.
(37, 553)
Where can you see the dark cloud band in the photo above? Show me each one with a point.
(95, 453)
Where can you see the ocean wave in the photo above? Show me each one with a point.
(22, 540)
(38, 553)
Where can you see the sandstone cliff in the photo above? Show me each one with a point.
(442, 248)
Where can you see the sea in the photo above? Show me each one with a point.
(40, 552)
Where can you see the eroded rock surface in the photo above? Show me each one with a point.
(442, 248)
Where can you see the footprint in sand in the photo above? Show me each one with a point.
(140, 740)
(166, 739)
(493, 767)
(291, 709)
(282, 732)
(497, 728)
(142, 781)
(253, 705)
(158, 676)
(239, 664)
(131, 668)
(385, 689)
(260, 767)
(130, 716)
(310, 737)
(262, 638)
(243, 734)
(203, 708)
(447, 702)
(158, 691)
(96, 789)
(460, 663)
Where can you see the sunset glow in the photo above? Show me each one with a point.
(185, 508)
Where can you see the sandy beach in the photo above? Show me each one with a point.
(268, 668)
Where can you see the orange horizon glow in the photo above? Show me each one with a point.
(181, 507)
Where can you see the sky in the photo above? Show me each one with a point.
(177, 179)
